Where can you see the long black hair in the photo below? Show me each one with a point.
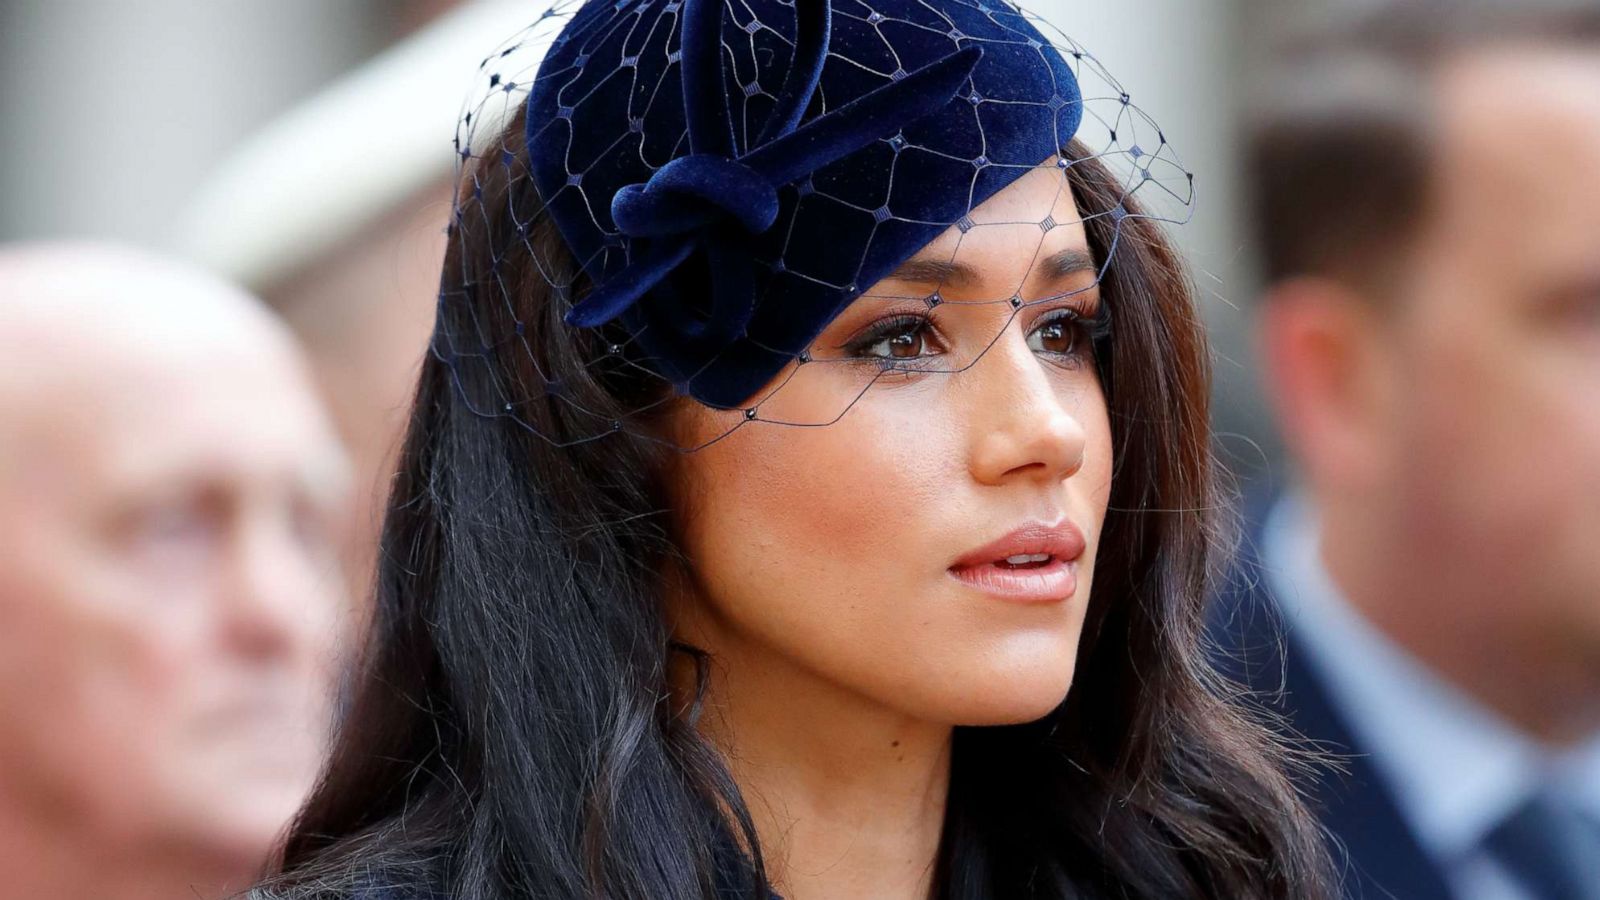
(509, 733)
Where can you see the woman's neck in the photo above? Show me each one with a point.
(848, 797)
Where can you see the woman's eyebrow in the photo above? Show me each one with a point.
(1060, 264)
(1066, 262)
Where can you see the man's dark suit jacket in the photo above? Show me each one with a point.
(1375, 851)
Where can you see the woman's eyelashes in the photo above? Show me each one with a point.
(894, 340)
(910, 342)
(1068, 336)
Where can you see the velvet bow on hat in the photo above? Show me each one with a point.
(732, 173)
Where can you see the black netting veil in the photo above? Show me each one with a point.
(512, 278)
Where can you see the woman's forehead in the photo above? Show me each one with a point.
(1030, 230)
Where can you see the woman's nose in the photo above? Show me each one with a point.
(1024, 426)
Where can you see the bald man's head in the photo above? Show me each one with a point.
(78, 312)
(167, 484)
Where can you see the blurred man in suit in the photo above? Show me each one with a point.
(168, 585)
(1426, 596)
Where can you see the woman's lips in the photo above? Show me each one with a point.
(1051, 582)
(1036, 563)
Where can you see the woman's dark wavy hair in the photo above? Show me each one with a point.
(507, 735)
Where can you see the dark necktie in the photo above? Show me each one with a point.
(1550, 848)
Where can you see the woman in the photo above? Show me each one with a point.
(796, 377)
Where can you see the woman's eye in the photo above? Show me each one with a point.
(1059, 336)
(900, 340)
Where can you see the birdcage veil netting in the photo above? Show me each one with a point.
(584, 171)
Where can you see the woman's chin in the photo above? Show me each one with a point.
(1014, 696)
(1017, 710)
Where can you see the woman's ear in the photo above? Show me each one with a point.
(1330, 377)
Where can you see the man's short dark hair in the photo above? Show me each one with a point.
(1340, 134)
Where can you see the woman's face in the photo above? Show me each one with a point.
(871, 553)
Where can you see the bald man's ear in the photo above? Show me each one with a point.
(1329, 375)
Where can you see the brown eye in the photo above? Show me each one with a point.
(896, 339)
(1059, 336)
(905, 345)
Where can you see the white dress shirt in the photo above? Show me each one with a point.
(1455, 767)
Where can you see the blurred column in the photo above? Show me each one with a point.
(113, 111)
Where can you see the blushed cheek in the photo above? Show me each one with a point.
(1095, 476)
(823, 497)
(1089, 488)
(799, 533)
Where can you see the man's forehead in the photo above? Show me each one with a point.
(115, 359)
(1518, 155)
(317, 472)
(1534, 109)
(146, 439)
(82, 305)
(248, 415)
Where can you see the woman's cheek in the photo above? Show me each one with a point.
(844, 503)
(1094, 480)
(833, 562)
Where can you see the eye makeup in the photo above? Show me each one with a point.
(1066, 334)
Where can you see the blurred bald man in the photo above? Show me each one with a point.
(168, 589)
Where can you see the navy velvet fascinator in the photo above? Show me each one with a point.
(731, 174)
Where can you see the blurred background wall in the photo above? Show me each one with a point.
(115, 113)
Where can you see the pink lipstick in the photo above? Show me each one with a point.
(1037, 563)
